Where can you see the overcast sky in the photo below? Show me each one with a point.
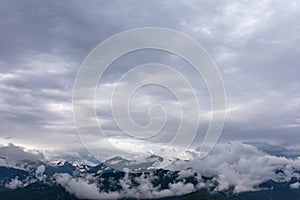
(255, 44)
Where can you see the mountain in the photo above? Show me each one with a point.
(120, 163)
(23, 173)
(37, 191)
(7, 174)
(67, 180)
(64, 167)
(100, 169)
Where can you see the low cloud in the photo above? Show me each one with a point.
(295, 185)
(241, 166)
(233, 166)
(17, 153)
(86, 187)
(81, 188)
(14, 183)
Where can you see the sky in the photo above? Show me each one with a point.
(255, 45)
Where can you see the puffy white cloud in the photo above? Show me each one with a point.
(81, 188)
(233, 165)
(186, 173)
(17, 182)
(87, 187)
(181, 188)
(14, 183)
(39, 173)
(295, 185)
(241, 166)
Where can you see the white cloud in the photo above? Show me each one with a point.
(232, 165)
(39, 173)
(241, 166)
(81, 188)
(14, 183)
(186, 173)
(295, 185)
(86, 187)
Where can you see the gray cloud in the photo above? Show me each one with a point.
(17, 153)
(253, 44)
(241, 166)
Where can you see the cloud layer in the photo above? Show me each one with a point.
(232, 167)
(253, 44)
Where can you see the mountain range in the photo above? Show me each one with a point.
(66, 180)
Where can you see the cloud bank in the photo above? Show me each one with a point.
(234, 166)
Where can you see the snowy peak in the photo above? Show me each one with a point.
(137, 164)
